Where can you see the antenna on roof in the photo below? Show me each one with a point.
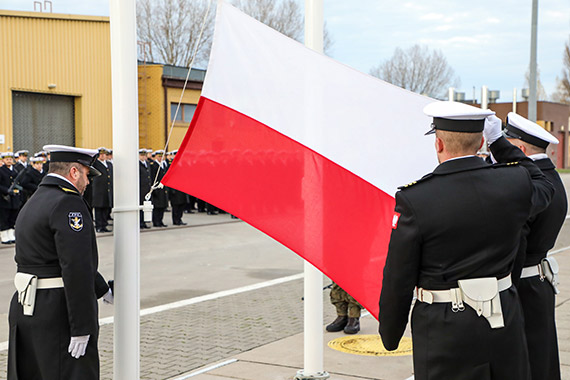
(43, 7)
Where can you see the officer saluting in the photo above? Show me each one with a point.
(53, 315)
(455, 236)
(535, 291)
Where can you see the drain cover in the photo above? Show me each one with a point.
(370, 345)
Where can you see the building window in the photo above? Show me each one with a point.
(185, 112)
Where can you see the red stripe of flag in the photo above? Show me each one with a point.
(332, 218)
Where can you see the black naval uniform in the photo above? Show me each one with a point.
(102, 195)
(159, 197)
(10, 202)
(462, 221)
(51, 244)
(145, 184)
(178, 200)
(31, 179)
(537, 296)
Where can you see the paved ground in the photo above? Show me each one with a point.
(259, 330)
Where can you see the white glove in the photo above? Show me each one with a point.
(492, 131)
(78, 345)
(108, 297)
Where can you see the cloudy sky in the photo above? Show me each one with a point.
(486, 42)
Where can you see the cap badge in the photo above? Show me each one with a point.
(76, 221)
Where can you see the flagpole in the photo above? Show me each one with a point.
(126, 353)
(313, 282)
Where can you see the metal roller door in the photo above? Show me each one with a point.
(40, 119)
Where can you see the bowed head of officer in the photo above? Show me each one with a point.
(455, 237)
(53, 315)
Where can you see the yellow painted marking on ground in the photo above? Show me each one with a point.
(369, 345)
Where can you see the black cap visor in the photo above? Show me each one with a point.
(83, 159)
(515, 133)
(465, 126)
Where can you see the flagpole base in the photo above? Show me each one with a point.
(314, 376)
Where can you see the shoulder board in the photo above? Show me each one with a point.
(505, 164)
(68, 190)
(425, 177)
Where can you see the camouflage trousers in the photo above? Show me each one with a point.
(344, 303)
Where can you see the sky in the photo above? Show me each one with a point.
(486, 42)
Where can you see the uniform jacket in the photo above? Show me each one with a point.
(102, 186)
(461, 221)
(19, 166)
(56, 238)
(31, 179)
(145, 181)
(537, 296)
(159, 197)
(8, 200)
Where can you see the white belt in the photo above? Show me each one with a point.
(482, 294)
(535, 270)
(50, 283)
(27, 284)
(451, 295)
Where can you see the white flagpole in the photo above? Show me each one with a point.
(126, 196)
(313, 292)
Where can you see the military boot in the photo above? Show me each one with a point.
(352, 326)
(338, 324)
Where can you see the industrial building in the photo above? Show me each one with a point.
(55, 85)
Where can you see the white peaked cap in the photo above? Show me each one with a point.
(523, 129)
(456, 111)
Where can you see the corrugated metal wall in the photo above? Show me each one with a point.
(70, 52)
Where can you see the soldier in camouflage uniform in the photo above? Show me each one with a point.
(347, 310)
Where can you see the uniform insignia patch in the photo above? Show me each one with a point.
(76, 221)
(395, 220)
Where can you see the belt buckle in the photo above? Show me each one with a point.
(541, 272)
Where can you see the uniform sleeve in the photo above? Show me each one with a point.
(101, 286)
(400, 275)
(73, 240)
(542, 189)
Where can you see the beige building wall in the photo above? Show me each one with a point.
(70, 52)
(180, 128)
(151, 107)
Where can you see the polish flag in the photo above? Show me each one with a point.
(303, 148)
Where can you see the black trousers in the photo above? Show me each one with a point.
(177, 212)
(8, 218)
(101, 217)
(157, 215)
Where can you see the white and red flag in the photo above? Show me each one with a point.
(303, 148)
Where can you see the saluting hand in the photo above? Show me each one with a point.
(492, 131)
(78, 346)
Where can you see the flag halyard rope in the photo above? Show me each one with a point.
(156, 184)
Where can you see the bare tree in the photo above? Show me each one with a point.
(418, 70)
(562, 93)
(284, 16)
(172, 27)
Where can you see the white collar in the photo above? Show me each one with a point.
(538, 156)
(61, 177)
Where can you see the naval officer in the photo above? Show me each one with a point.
(455, 237)
(536, 288)
(54, 313)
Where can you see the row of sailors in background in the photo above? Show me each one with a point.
(21, 174)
